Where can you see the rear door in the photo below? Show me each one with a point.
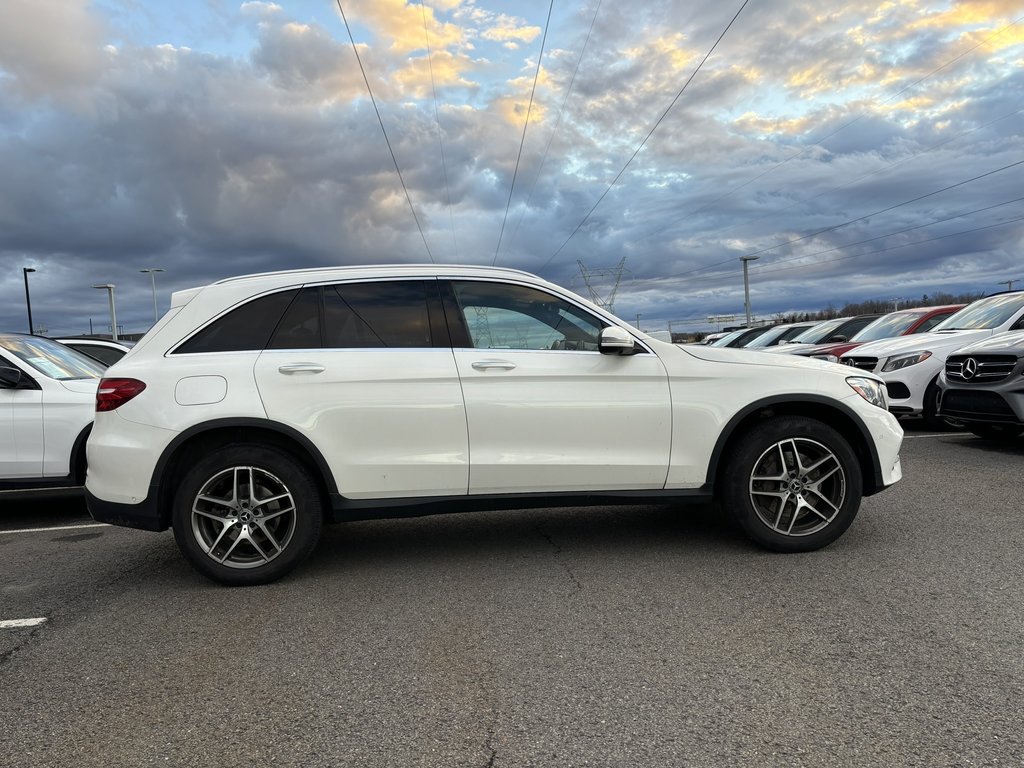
(366, 371)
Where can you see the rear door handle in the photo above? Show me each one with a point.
(483, 365)
(293, 368)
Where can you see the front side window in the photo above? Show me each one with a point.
(501, 316)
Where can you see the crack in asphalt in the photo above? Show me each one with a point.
(558, 556)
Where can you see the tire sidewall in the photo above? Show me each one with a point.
(744, 456)
(308, 516)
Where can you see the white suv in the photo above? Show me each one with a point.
(910, 365)
(260, 406)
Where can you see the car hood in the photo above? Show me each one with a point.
(754, 357)
(789, 347)
(940, 341)
(1011, 343)
(81, 386)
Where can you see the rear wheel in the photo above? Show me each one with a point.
(1003, 433)
(247, 514)
(793, 484)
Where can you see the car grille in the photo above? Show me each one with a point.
(978, 369)
(967, 404)
(864, 363)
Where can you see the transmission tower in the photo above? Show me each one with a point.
(593, 278)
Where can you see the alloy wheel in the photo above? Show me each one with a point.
(797, 487)
(243, 517)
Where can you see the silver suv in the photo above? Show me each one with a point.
(981, 386)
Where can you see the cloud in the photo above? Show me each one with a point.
(119, 153)
(50, 48)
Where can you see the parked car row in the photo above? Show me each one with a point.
(969, 352)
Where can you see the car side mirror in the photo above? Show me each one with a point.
(838, 338)
(10, 378)
(616, 341)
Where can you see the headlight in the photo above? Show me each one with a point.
(871, 390)
(905, 361)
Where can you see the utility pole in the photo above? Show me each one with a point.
(1009, 283)
(152, 278)
(109, 288)
(746, 284)
(28, 301)
(638, 321)
(615, 273)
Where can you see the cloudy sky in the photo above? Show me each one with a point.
(860, 149)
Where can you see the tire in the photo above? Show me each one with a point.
(792, 483)
(247, 514)
(930, 412)
(999, 433)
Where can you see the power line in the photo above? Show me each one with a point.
(818, 142)
(648, 136)
(526, 123)
(384, 131)
(886, 167)
(725, 276)
(893, 247)
(732, 273)
(554, 131)
(440, 136)
(884, 210)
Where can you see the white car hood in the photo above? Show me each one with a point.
(753, 357)
(1007, 343)
(941, 341)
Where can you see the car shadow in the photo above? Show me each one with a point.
(524, 534)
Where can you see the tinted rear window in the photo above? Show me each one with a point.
(247, 327)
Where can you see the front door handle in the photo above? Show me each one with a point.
(293, 368)
(483, 365)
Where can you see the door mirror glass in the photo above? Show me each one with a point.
(616, 341)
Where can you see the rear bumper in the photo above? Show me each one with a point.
(143, 515)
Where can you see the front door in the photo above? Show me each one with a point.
(547, 412)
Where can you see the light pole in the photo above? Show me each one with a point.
(109, 288)
(28, 299)
(746, 284)
(638, 321)
(1007, 283)
(152, 277)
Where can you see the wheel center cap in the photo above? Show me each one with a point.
(246, 516)
(795, 486)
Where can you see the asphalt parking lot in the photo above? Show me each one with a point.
(644, 636)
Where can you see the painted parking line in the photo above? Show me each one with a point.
(938, 434)
(16, 623)
(57, 528)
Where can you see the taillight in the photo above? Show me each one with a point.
(113, 393)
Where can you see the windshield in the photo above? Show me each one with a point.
(776, 334)
(984, 313)
(818, 333)
(724, 341)
(887, 326)
(51, 358)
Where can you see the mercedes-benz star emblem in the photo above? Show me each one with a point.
(969, 368)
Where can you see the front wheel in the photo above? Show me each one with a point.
(247, 514)
(793, 484)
